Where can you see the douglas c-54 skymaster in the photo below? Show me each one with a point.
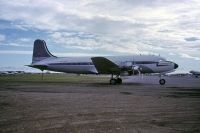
(116, 66)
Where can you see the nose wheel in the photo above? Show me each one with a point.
(162, 81)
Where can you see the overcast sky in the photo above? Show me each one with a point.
(170, 28)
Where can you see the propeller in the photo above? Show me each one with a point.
(132, 68)
(136, 68)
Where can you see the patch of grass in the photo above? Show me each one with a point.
(53, 78)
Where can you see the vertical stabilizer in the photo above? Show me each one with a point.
(40, 51)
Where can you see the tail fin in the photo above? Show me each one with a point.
(40, 51)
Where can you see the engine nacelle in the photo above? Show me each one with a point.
(125, 73)
(132, 70)
(129, 73)
(136, 70)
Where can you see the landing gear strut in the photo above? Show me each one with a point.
(116, 80)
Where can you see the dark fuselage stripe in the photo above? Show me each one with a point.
(75, 63)
(90, 63)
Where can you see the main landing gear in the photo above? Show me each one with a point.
(116, 80)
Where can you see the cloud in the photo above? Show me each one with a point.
(104, 26)
(119, 43)
(16, 52)
(16, 45)
(23, 52)
(24, 39)
(190, 57)
(2, 38)
(20, 42)
(90, 16)
(191, 39)
(129, 17)
(75, 39)
(172, 54)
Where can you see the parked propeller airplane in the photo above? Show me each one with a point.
(195, 73)
(116, 66)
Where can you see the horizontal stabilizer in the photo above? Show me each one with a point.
(105, 66)
(41, 67)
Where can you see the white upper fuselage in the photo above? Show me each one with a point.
(84, 65)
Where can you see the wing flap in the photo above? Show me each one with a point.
(105, 66)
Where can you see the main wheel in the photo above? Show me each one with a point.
(119, 80)
(162, 81)
(113, 81)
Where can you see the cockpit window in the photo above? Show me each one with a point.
(162, 59)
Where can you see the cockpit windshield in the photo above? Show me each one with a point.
(162, 59)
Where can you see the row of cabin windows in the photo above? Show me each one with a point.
(78, 63)
(90, 63)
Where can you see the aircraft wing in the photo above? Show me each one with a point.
(105, 66)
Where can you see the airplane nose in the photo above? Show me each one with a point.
(175, 65)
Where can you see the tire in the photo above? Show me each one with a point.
(162, 81)
(113, 81)
(119, 80)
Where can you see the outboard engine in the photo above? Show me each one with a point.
(129, 69)
(136, 70)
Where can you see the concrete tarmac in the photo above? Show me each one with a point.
(98, 108)
(171, 81)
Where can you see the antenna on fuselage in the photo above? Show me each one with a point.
(42, 75)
